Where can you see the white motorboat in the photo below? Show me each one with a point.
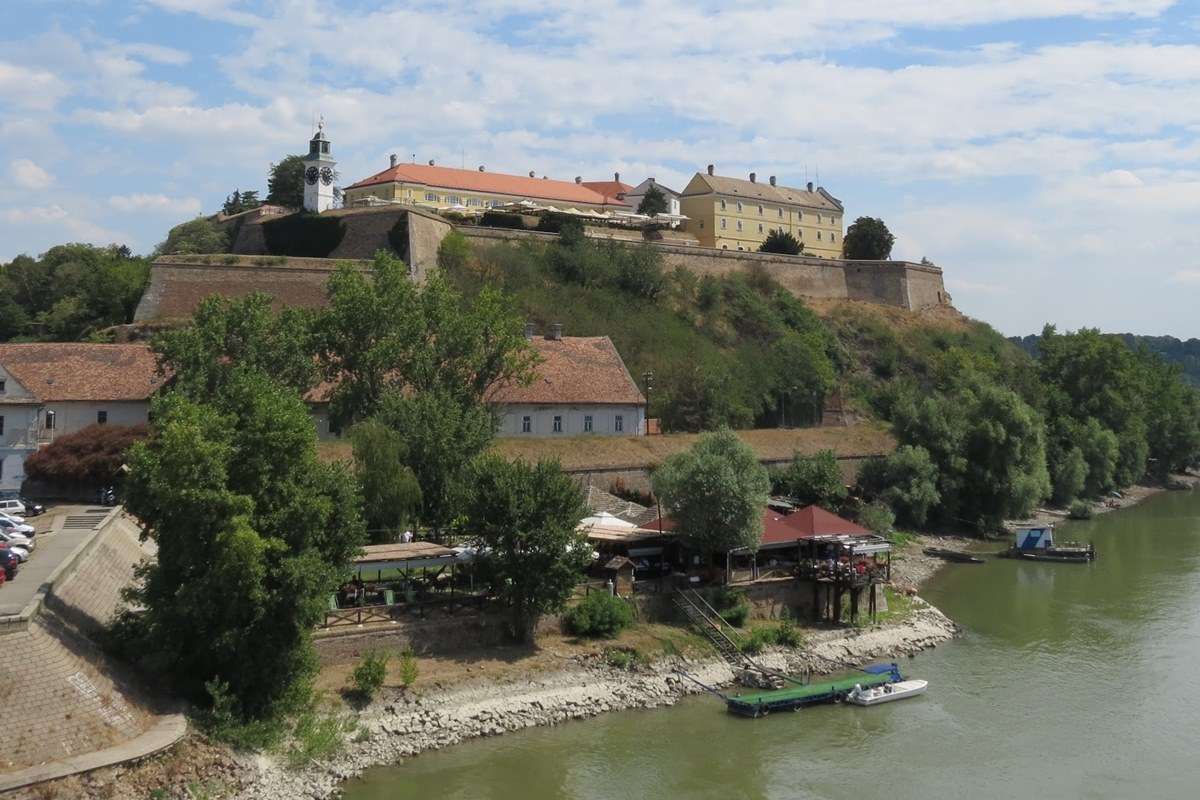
(886, 693)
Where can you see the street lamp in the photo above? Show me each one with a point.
(648, 382)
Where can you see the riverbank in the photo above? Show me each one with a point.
(401, 726)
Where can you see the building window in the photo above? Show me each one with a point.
(739, 206)
(558, 424)
(701, 224)
(760, 211)
(454, 200)
(818, 219)
(833, 237)
(472, 201)
(430, 197)
(760, 227)
(587, 423)
(619, 422)
(50, 415)
(2, 384)
(526, 424)
(722, 205)
(780, 210)
(101, 417)
(739, 224)
(722, 223)
(799, 215)
(818, 236)
(1, 429)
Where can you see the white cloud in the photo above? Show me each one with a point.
(34, 215)
(155, 203)
(34, 89)
(1188, 276)
(29, 175)
(1120, 179)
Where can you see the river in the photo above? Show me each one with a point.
(1070, 681)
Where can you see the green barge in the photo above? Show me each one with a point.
(759, 704)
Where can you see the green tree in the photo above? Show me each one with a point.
(715, 492)
(813, 480)
(227, 335)
(1172, 410)
(780, 241)
(233, 203)
(200, 235)
(252, 535)
(454, 252)
(250, 200)
(1101, 453)
(906, 480)
(391, 493)
(654, 202)
(285, 182)
(869, 239)
(526, 517)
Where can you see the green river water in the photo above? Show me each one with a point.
(1070, 681)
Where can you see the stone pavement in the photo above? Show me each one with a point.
(59, 531)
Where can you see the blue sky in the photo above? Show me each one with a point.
(1045, 153)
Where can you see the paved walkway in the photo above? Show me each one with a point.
(166, 732)
(59, 532)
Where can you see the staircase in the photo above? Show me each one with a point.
(712, 626)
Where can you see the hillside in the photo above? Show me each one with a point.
(1185, 353)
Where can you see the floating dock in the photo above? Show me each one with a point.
(759, 704)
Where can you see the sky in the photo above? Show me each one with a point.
(1044, 153)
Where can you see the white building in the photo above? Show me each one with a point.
(50, 390)
(638, 193)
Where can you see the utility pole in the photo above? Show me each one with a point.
(648, 382)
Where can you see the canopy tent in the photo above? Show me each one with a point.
(405, 555)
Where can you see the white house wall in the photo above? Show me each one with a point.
(70, 417)
(541, 419)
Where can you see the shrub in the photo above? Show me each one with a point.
(1080, 509)
(317, 736)
(736, 615)
(408, 668)
(368, 677)
(224, 721)
(599, 615)
(502, 219)
(813, 479)
(303, 234)
(780, 241)
(623, 657)
(785, 634)
(454, 252)
(877, 517)
(788, 635)
(93, 455)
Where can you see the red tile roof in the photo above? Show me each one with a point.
(574, 369)
(609, 189)
(62, 372)
(469, 180)
(809, 522)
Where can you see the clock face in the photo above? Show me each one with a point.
(311, 175)
(326, 175)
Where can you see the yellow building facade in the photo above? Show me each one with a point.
(738, 214)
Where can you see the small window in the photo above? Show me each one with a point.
(558, 424)
(799, 215)
(818, 236)
(526, 424)
(818, 219)
(760, 211)
(619, 422)
(472, 201)
(722, 205)
(739, 224)
(1, 429)
(760, 227)
(739, 206)
(587, 423)
(101, 417)
(722, 223)
(50, 415)
(780, 210)
(430, 197)
(2, 387)
(701, 224)
(454, 200)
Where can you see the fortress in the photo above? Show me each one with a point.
(179, 283)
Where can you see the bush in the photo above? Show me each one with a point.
(785, 634)
(224, 721)
(788, 635)
(623, 657)
(92, 456)
(599, 615)
(1080, 509)
(317, 736)
(814, 479)
(408, 668)
(303, 234)
(502, 219)
(736, 615)
(877, 517)
(454, 253)
(368, 677)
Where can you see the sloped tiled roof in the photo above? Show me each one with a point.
(609, 189)
(809, 522)
(574, 369)
(62, 372)
(469, 180)
(756, 190)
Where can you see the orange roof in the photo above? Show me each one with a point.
(469, 180)
(609, 189)
(809, 522)
(573, 369)
(64, 372)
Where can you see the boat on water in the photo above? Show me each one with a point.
(886, 693)
(1037, 544)
(953, 555)
(791, 698)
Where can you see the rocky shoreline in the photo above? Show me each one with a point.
(400, 726)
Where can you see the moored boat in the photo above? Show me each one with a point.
(759, 704)
(1037, 544)
(886, 693)
(953, 555)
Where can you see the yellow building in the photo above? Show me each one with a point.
(470, 189)
(735, 214)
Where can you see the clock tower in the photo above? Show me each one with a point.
(318, 173)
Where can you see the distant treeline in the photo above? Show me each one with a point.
(1184, 352)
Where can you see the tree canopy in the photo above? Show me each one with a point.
(781, 241)
(241, 201)
(285, 182)
(653, 202)
(715, 492)
(199, 235)
(391, 492)
(813, 479)
(868, 238)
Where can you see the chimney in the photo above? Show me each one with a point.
(710, 169)
(617, 177)
(393, 158)
(772, 180)
(431, 162)
(752, 177)
(531, 174)
(555, 334)
(810, 186)
(578, 179)
(652, 179)
(529, 330)
(481, 169)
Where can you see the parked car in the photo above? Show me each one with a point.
(13, 517)
(8, 526)
(12, 505)
(32, 509)
(21, 553)
(17, 540)
(9, 561)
